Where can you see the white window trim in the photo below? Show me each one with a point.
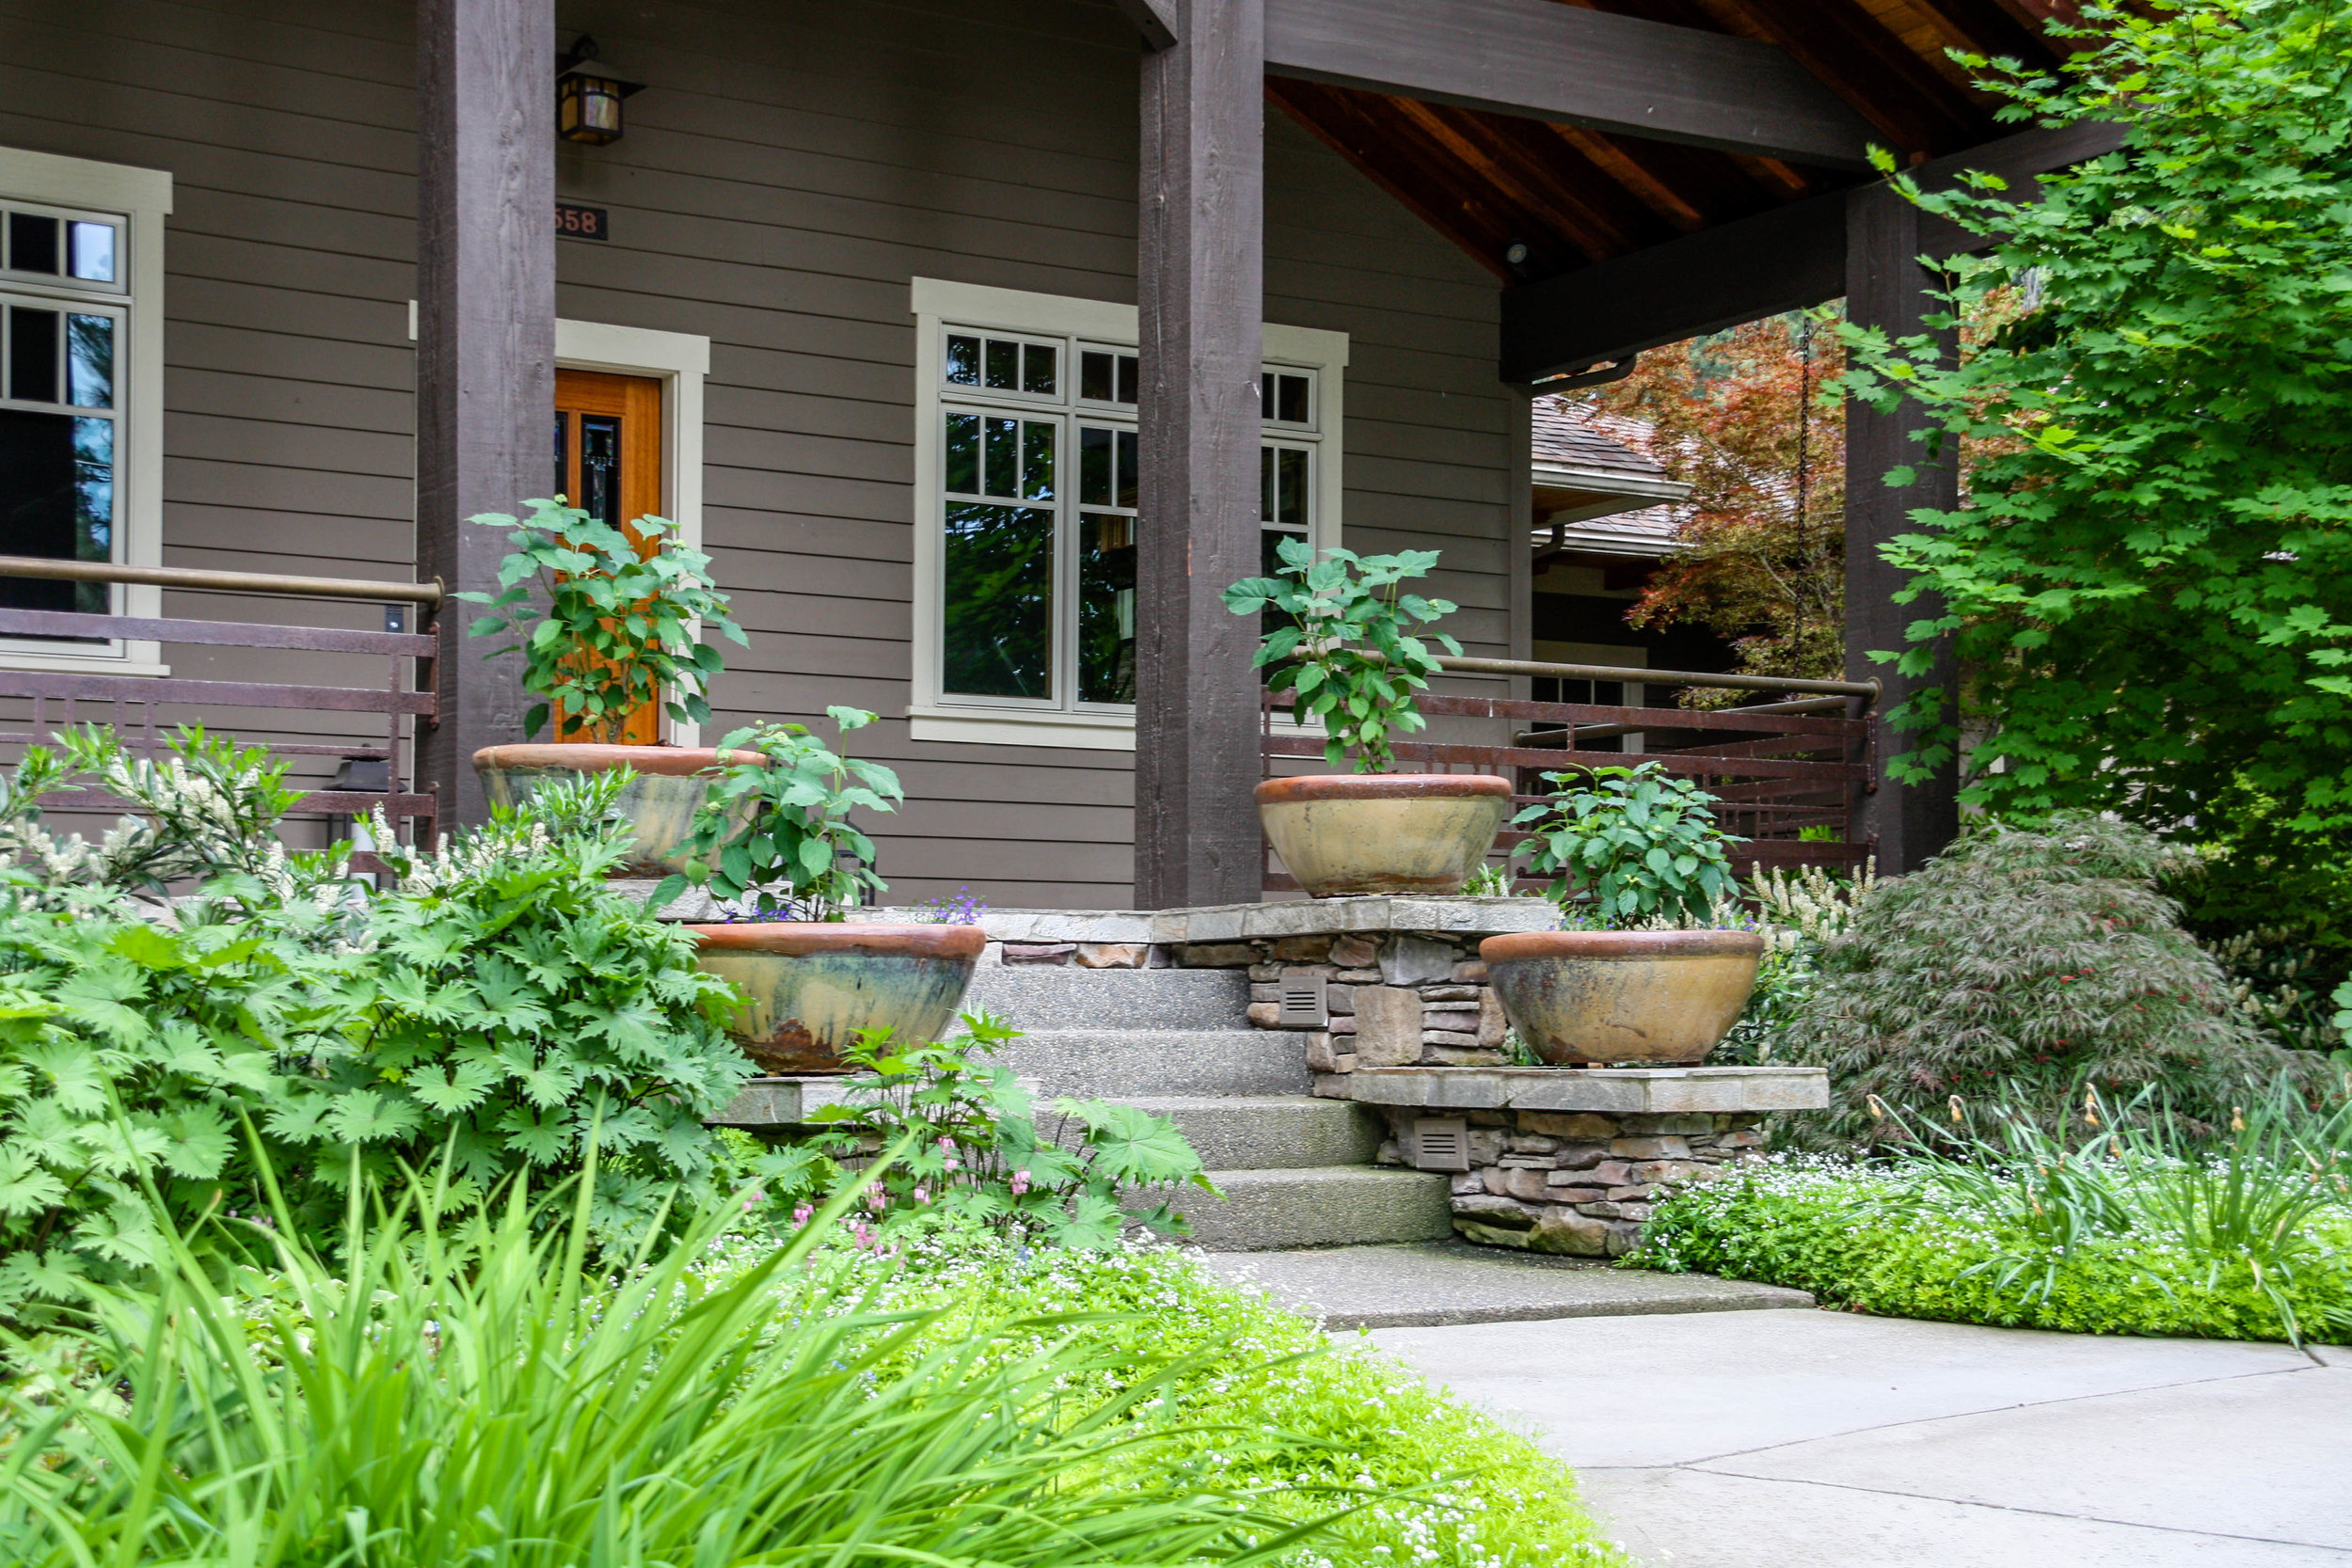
(935, 303)
(143, 196)
(680, 361)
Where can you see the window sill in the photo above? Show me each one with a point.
(1097, 732)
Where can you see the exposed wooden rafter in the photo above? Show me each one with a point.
(1571, 66)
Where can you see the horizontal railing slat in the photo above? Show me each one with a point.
(319, 802)
(1673, 762)
(145, 688)
(1584, 714)
(230, 634)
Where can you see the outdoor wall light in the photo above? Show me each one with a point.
(588, 98)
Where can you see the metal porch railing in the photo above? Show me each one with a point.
(1789, 772)
(63, 698)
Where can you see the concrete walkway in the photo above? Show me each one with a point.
(1815, 1439)
(1427, 1283)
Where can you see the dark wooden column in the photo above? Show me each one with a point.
(1886, 288)
(485, 340)
(1202, 290)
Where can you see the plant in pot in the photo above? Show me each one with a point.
(773, 839)
(1350, 657)
(1653, 976)
(606, 633)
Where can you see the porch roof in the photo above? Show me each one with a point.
(1575, 197)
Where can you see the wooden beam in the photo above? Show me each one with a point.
(486, 342)
(1782, 259)
(1155, 19)
(1565, 64)
(1202, 300)
(1886, 288)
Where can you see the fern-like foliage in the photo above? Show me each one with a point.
(2025, 961)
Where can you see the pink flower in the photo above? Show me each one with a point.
(801, 1215)
(1020, 1182)
(922, 1195)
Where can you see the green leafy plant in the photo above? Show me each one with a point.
(1349, 653)
(483, 1397)
(1640, 844)
(2148, 583)
(511, 1003)
(973, 1148)
(2025, 961)
(603, 629)
(2101, 1218)
(775, 826)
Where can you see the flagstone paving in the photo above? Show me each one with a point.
(1813, 1439)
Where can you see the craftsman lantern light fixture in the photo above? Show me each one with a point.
(588, 97)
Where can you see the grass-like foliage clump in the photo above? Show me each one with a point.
(2027, 959)
(482, 1393)
(2112, 1222)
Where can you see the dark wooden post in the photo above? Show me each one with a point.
(1884, 288)
(1202, 290)
(485, 340)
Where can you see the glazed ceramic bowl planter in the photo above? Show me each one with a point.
(813, 985)
(659, 803)
(1605, 998)
(1340, 833)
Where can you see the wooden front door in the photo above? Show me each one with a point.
(608, 463)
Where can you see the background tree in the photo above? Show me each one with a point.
(1738, 416)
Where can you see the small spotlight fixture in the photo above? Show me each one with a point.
(588, 97)
(1515, 253)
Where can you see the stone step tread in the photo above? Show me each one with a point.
(1437, 1284)
(1318, 1206)
(1046, 996)
(1121, 1065)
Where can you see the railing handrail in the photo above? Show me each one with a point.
(1636, 675)
(426, 594)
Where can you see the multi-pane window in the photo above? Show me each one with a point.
(1040, 523)
(63, 327)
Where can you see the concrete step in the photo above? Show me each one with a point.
(1121, 1063)
(1054, 996)
(1434, 1284)
(1329, 1205)
(1270, 1132)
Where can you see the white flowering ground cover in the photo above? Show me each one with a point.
(1316, 1422)
(2111, 1246)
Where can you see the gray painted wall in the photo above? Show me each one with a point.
(789, 167)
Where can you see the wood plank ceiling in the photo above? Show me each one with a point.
(1573, 196)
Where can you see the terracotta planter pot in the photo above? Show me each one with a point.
(1383, 833)
(1595, 998)
(813, 985)
(659, 803)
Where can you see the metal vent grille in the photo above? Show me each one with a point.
(1440, 1144)
(1305, 1005)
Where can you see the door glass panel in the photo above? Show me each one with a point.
(562, 455)
(1107, 608)
(999, 621)
(600, 467)
(1129, 467)
(1096, 479)
(1094, 375)
(32, 353)
(1290, 493)
(90, 345)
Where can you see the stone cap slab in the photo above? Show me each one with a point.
(1314, 917)
(1618, 1091)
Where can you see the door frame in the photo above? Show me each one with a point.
(678, 360)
